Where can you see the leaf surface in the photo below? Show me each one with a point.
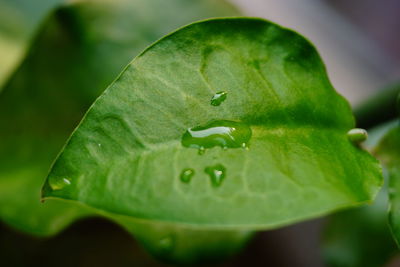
(127, 155)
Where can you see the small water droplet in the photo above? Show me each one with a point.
(222, 133)
(186, 175)
(357, 135)
(99, 145)
(218, 98)
(166, 244)
(58, 183)
(216, 173)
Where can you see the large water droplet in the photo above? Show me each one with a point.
(218, 98)
(186, 175)
(58, 183)
(216, 173)
(357, 135)
(222, 133)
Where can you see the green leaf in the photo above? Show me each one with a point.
(359, 237)
(78, 52)
(394, 196)
(126, 156)
(173, 243)
(347, 235)
(376, 134)
(388, 148)
(388, 152)
(21, 208)
(19, 21)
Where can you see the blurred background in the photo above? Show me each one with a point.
(359, 41)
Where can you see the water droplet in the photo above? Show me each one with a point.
(222, 133)
(186, 175)
(166, 244)
(357, 135)
(58, 183)
(99, 145)
(218, 98)
(216, 173)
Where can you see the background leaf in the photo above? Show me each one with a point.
(19, 21)
(359, 237)
(347, 235)
(126, 156)
(173, 243)
(389, 152)
(78, 52)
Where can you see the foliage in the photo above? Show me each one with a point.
(126, 156)
(217, 130)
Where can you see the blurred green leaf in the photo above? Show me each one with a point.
(359, 237)
(19, 21)
(362, 237)
(394, 196)
(376, 134)
(182, 244)
(79, 51)
(126, 156)
(389, 153)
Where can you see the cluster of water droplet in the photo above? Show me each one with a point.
(215, 172)
(218, 133)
